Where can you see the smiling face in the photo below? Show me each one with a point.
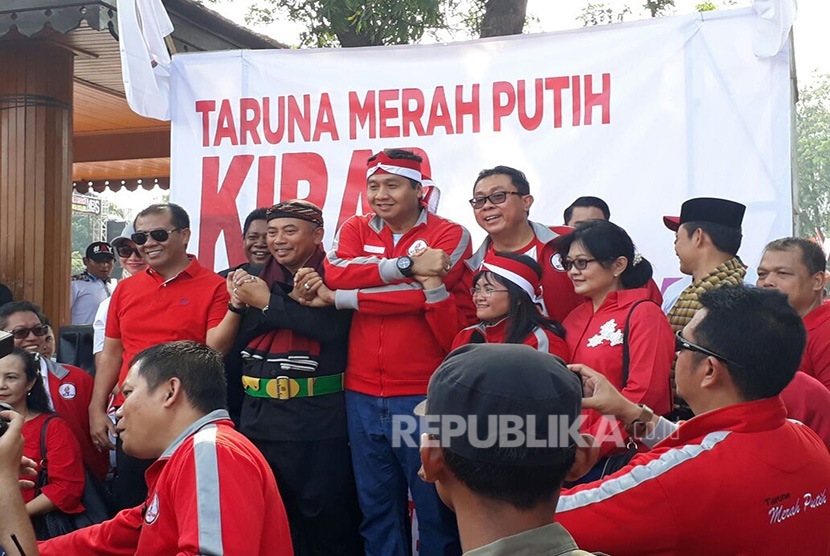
(490, 298)
(256, 242)
(684, 247)
(27, 320)
(133, 263)
(162, 255)
(13, 383)
(393, 198)
(506, 218)
(292, 241)
(595, 281)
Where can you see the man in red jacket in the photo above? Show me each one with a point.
(797, 267)
(69, 388)
(501, 203)
(394, 267)
(738, 478)
(210, 491)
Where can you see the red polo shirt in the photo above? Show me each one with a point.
(147, 310)
(816, 360)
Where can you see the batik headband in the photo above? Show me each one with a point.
(294, 209)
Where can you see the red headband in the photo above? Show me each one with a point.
(381, 163)
(515, 272)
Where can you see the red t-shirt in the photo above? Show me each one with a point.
(146, 310)
(816, 359)
(64, 464)
(808, 401)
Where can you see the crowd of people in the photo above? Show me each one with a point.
(267, 409)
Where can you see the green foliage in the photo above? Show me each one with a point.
(705, 7)
(356, 22)
(601, 14)
(812, 125)
(659, 8)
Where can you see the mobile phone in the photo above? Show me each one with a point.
(4, 424)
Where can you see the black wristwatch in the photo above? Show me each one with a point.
(404, 264)
(236, 310)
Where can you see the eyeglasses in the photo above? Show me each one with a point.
(579, 264)
(496, 198)
(161, 235)
(486, 292)
(681, 343)
(125, 251)
(23, 333)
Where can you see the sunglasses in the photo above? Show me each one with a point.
(681, 343)
(161, 235)
(23, 333)
(579, 264)
(496, 198)
(125, 251)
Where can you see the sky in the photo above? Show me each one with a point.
(812, 41)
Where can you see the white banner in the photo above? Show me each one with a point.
(643, 115)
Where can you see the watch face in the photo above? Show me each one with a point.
(404, 263)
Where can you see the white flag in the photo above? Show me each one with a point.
(145, 62)
(775, 18)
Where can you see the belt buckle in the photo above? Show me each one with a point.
(283, 388)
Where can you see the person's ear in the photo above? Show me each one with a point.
(186, 236)
(818, 281)
(619, 265)
(432, 460)
(318, 234)
(587, 456)
(527, 202)
(715, 374)
(172, 392)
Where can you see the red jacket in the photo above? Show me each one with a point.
(210, 492)
(808, 401)
(64, 465)
(737, 480)
(396, 342)
(558, 295)
(816, 360)
(540, 339)
(70, 389)
(596, 340)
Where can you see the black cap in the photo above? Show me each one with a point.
(487, 381)
(708, 209)
(99, 251)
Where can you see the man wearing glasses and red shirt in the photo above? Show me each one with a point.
(501, 203)
(175, 298)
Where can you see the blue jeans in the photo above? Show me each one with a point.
(383, 473)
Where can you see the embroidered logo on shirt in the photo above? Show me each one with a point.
(67, 391)
(556, 262)
(184, 301)
(152, 513)
(607, 332)
(419, 245)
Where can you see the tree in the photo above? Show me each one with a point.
(812, 126)
(389, 22)
(601, 14)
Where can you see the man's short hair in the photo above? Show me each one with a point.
(758, 329)
(10, 309)
(812, 256)
(587, 202)
(178, 215)
(199, 368)
(524, 487)
(256, 214)
(724, 238)
(517, 177)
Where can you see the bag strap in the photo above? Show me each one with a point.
(43, 450)
(626, 354)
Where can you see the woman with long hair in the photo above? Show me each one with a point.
(618, 330)
(21, 387)
(505, 295)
